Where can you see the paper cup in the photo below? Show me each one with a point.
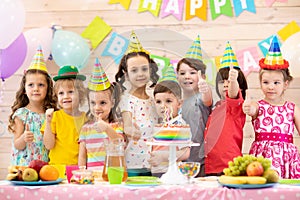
(115, 175)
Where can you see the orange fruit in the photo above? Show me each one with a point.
(48, 173)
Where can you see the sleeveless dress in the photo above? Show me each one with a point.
(274, 129)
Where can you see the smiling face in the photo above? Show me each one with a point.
(188, 78)
(138, 72)
(273, 86)
(100, 104)
(36, 87)
(167, 103)
(67, 96)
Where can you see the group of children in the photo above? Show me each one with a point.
(47, 122)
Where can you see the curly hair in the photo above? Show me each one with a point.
(114, 115)
(76, 83)
(123, 67)
(21, 99)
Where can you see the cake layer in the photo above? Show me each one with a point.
(172, 133)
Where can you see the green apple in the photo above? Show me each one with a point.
(30, 174)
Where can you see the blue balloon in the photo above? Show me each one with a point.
(69, 48)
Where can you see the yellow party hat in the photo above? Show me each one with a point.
(38, 61)
(98, 80)
(195, 50)
(168, 74)
(229, 58)
(134, 44)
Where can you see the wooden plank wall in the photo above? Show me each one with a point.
(165, 37)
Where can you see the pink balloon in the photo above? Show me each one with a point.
(12, 57)
(34, 38)
(12, 20)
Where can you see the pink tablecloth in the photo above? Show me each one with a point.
(178, 192)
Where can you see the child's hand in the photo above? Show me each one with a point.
(233, 74)
(49, 114)
(100, 125)
(28, 135)
(156, 158)
(133, 132)
(202, 85)
(248, 107)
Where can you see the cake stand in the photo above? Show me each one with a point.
(173, 176)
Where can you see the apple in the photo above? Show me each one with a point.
(255, 169)
(37, 165)
(30, 174)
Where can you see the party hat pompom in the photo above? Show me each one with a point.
(274, 58)
(38, 61)
(98, 80)
(168, 74)
(229, 58)
(134, 44)
(195, 50)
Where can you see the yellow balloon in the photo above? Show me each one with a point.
(290, 50)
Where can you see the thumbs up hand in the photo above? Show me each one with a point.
(202, 85)
(233, 74)
(248, 107)
(49, 114)
(100, 125)
(28, 135)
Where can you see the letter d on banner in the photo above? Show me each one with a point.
(116, 47)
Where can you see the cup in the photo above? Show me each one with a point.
(115, 175)
(62, 170)
(69, 169)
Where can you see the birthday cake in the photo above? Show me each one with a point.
(172, 133)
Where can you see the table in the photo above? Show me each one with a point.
(177, 192)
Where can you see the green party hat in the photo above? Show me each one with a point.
(168, 74)
(38, 61)
(229, 58)
(274, 58)
(98, 80)
(135, 45)
(195, 50)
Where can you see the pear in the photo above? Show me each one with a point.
(30, 174)
(271, 175)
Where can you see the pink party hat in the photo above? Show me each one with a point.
(195, 50)
(168, 74)
(229, 58)
(38, 61)
(98, 80)
(274, 58)
(134, 44)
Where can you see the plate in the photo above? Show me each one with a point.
(34, 183)
(289, 181)
(249, 186)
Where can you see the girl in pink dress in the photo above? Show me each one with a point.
(274, 118)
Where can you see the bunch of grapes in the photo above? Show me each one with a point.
(238, 166)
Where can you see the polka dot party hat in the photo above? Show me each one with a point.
(229, 58)
(195, 50)
(98, 80)
(168, 74)
(274, 58)
(38, 61)
(134, 44)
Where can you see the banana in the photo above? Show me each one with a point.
(12, 176)
(242, 179)
(12, 169)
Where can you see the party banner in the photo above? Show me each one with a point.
(174, 63)
(96, 31)
(161, 62)
(269, 3)
(152, 6)
(264, 45)
(220, 7)
(116, 47)
(248, 59)
(288, 30)
(218, 60)
(172, 7)
(211, 71)
(196, 8)
(124, 3)
(241, 5)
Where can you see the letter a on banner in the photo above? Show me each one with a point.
(116, 47)
(248, 59)
(172, 7)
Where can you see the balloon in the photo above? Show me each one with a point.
(12, 20)
(12, 57)
(34, 38)
(69, 48)
(290, 50)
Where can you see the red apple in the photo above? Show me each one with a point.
(255, 169)
(37, 165)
